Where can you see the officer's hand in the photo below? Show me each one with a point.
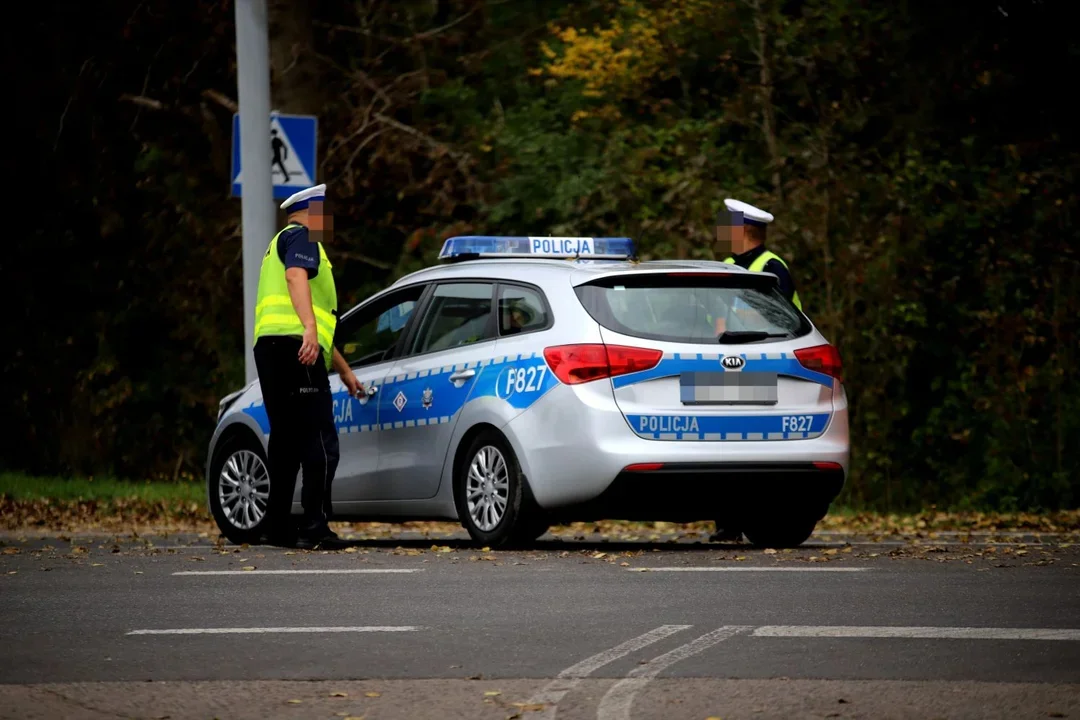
(309, 348)
(354, 386)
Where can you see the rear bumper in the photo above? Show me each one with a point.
(574, 444)
(690, 492)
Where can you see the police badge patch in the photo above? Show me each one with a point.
(425, 400)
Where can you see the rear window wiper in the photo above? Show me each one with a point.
(734, 337)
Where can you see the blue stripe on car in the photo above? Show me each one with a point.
(677, 363)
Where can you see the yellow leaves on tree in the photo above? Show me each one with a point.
(622, 60)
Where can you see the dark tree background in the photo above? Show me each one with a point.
(921, 160)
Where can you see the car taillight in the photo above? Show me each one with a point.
(574, 364)
(823, 359)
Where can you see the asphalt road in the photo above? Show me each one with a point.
(105, 627)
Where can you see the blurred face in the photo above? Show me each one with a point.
(730, 234)
(320, 221)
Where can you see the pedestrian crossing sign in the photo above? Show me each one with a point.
(292, 153)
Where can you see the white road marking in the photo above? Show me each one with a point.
(273, 630)
(342, 571)
(569, 678)
(616, 703)
(751, 568)
(929, 633)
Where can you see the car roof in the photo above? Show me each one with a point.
(539, 269)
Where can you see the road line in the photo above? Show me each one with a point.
(343, 571)
(927, 633)
(750, 568)
(569, 678)
(275, 630)
(617, 701)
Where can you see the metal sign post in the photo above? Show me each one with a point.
(257, 204)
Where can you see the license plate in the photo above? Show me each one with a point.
(728, 388)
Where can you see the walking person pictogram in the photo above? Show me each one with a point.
(281, 153)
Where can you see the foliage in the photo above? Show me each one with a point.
(920, 161)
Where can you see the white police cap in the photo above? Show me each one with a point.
(299, 201)
(751, 214)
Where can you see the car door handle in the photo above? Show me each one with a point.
(462, 375)
(369, 391)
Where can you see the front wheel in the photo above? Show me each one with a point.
(492, 496)
(239, 490)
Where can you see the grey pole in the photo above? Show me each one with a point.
(257, 201)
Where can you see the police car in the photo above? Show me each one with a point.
(527, 381)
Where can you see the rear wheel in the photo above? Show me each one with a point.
(492, 495)
(239, 490)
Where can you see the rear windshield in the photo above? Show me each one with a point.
(693, 309)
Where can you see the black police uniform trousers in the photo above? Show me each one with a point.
(302, 433)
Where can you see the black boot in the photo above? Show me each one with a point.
(725, 533)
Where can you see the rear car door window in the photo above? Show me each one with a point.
(521, 310)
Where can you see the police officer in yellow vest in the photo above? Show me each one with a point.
(745, 225)
(741, 231)
(295, 320)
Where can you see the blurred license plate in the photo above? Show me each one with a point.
(728, 388)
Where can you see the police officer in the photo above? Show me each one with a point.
(746, 224)
(743, 228)
(295, 320)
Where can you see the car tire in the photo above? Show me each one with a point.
(240, 464)
(780, 530)
(489, 476)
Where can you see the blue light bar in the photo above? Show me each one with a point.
(492, 246)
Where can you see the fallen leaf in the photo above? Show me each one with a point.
(624, 564)
(770, 551)
(248, 567)
(485, 549)
(831, 551)
(1021, 552)
(599, 555)
(372, 693)
(96, 564)
(350, 549)
(740, 558)
(11, 551)
(339, 694)
(492, 693)
(138, 572)
(530, 707)
(441, 548)
(354, 717)
(294, 702)
(13, 572)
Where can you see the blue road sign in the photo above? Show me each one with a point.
(292, 151)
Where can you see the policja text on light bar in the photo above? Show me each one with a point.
(490, 246)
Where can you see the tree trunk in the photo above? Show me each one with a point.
(765, 93)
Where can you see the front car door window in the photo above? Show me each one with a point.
(371, 334)
(458, 314)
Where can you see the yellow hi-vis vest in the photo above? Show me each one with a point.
(759, 264)
(274, 312)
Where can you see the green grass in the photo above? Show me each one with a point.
(28, 487)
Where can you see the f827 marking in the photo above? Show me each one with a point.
(520, 380)
(797, 423)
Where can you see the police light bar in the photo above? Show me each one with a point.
(466, 247)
